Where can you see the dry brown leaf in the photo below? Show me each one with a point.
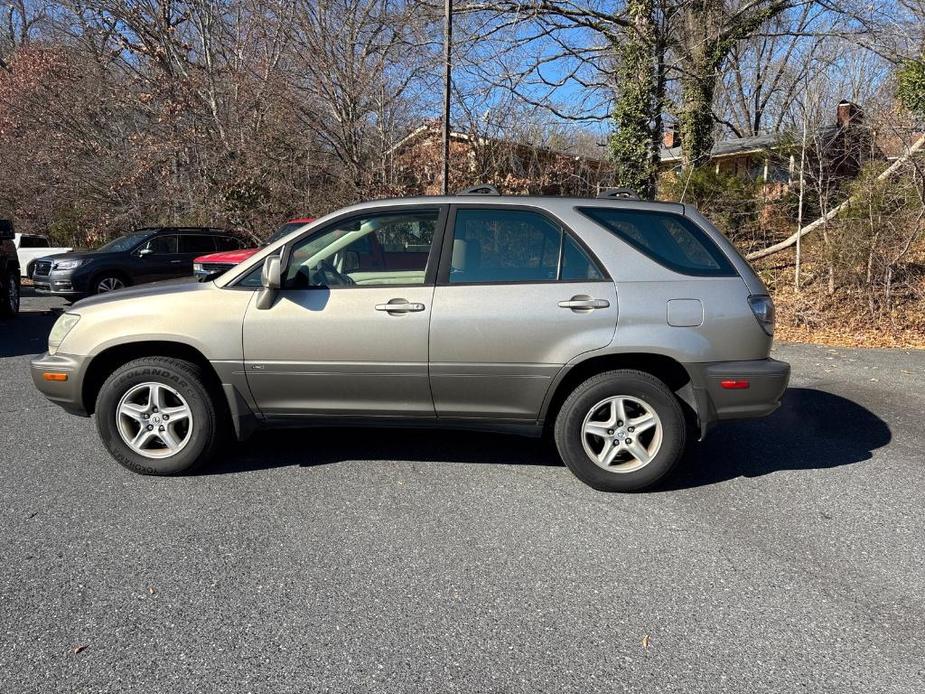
(79, 647)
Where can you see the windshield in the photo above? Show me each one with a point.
(125, 243)
(282, 231)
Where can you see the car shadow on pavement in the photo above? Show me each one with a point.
(27, 333)
(312, 447)
(812, 429)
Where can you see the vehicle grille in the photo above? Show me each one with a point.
(209, 268)
(41, 267)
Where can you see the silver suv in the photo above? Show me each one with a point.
(621, 327)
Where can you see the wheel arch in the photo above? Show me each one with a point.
(111, 358)
(667, 369)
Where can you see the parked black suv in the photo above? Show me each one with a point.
(145, 255)
(9, 271)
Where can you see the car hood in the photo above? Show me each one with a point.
(79, 255)
(181, 285)
(234, 257)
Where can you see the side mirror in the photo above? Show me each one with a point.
(145, 252)
(6, 230)
(271, 280)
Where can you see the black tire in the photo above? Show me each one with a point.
(9, 293)
(634, 384)
(187, 380)
(101, 281)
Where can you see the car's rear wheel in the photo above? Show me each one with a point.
(621, 431)
(9, 294)
(108, 283)
(156, 416)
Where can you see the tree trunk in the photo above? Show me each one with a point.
(636, 114)
(697, 91)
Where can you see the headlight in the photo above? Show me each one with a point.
(66, 264)
(763, 308)
(60, 329)
(197, 267)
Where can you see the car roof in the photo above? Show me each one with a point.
(185, 230)
(551, 203)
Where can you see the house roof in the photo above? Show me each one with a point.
(757, 144)
(725, 148)
(459, 135)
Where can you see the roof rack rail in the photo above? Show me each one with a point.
(618, 194)
(479, 190)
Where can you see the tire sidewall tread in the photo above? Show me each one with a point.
(185, 377)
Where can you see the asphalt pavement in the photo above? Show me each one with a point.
(787, 554)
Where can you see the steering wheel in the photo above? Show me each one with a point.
(330, 275)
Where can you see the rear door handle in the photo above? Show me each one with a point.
(583, 302)
(175, 262)
(400, 306)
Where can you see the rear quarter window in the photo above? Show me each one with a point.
(669, 239)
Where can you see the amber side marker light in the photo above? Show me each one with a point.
(734, 384)
(53, 376)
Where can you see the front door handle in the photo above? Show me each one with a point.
(400, 306)
(583, 303)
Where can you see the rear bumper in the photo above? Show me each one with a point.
(68, 394)
(766, 379)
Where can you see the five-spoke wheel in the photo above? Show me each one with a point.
(621, 430)
(154, 420)
(158, 415)
(622, 433)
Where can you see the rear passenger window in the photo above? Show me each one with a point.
(227, 243)
(194, 243)
(668, 239)
(576, 266)
(494, 245)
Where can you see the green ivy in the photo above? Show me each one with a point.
(911, 90)
(634, 111)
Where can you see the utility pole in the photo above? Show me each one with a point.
(448, 82)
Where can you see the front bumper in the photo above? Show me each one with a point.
(59, 284)
(68, 393)
(766, 379)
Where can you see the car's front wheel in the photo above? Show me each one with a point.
(9, 294)
(621, 431)
(156, 416)
(108, 283)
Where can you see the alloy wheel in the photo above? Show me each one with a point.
(622, 433)
(154, 420)
(108, 284)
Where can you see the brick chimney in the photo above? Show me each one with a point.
(671, 138)
(848, 114)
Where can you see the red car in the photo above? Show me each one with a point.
(214, 263)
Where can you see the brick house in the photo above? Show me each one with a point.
(842, 147)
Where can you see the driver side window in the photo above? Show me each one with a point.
(367, 251)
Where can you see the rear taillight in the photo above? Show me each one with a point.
(763, 308)
(734, 383)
